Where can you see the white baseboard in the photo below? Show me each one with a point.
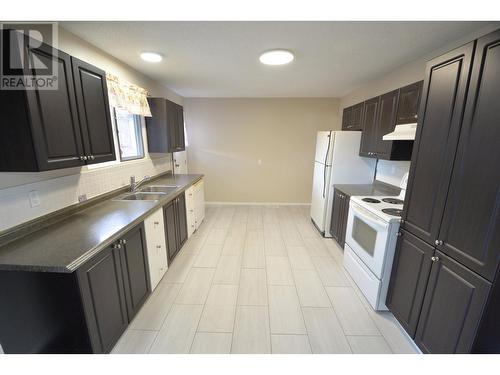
(213, 204)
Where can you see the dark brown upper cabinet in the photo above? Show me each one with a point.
(386, 122)
(352, 117)
(436, 140)
(42, 129)
(368, 136)
(94, 111)
(166, 126)
(410, 272)
(454, 301)
(379, 118)
(470, 228)
(408, 103)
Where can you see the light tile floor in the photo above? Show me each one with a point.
(260, 279)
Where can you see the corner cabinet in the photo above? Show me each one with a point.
(59, 128)
(340, 212)
(165, 128)
(114, 285)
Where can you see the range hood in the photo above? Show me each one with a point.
(402, 133)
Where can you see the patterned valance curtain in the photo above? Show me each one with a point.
(127, 96)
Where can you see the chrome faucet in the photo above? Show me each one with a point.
(134, 185)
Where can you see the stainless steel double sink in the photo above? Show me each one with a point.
(148, 193)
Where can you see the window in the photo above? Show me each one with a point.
(128, 127)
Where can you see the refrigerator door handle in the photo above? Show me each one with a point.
(326, 162)
(324, 180)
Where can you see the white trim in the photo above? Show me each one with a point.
(255, 204)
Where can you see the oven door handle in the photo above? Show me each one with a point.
(368, 215)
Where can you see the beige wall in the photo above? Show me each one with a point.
(256, 150)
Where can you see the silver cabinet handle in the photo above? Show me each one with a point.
(158, 246)
(83, 157)
(438, 242)
(118, 246)
(435, 259)
(91, 157)
(398, 234)
(156, 223)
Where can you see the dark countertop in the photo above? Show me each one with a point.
(377, 188)
(64, 246)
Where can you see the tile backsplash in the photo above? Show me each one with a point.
(62, 191)
(391, 172)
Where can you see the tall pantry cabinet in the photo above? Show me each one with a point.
(445, 274)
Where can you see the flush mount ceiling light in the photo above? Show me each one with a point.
(276, 57)
(153, 57)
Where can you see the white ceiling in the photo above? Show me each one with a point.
(220, 59)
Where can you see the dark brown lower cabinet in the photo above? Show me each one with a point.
(135, 270)
(438, 301)
(175, 219)
(114, 285)
(452, 308)
(103, 296)
(340, 211)
(85, 311)
(410, 272)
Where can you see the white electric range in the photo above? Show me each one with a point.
(371, 236)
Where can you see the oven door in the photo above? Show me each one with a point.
(367, 236)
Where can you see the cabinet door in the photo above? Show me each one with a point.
(156, 126)
(410, 272)
(181, 219)
(356, 118)
(54, 118)
(94, 111)
(452, 308)
(101, 287)
(135, 270)
(439, 121)
(386, 123)
(190, 207)
(199, 199)
(170, 230)
(180, 143)
(408, 103)
(470, 230)
(336, 222)
(172, 126)
(368, 141)
(343, 219)
(346, 118)
(157, 250)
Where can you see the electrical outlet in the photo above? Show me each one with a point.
(34, 198)
(82, 198)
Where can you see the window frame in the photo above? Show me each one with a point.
(139, 135)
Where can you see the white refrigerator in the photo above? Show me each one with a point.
(337, 161)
